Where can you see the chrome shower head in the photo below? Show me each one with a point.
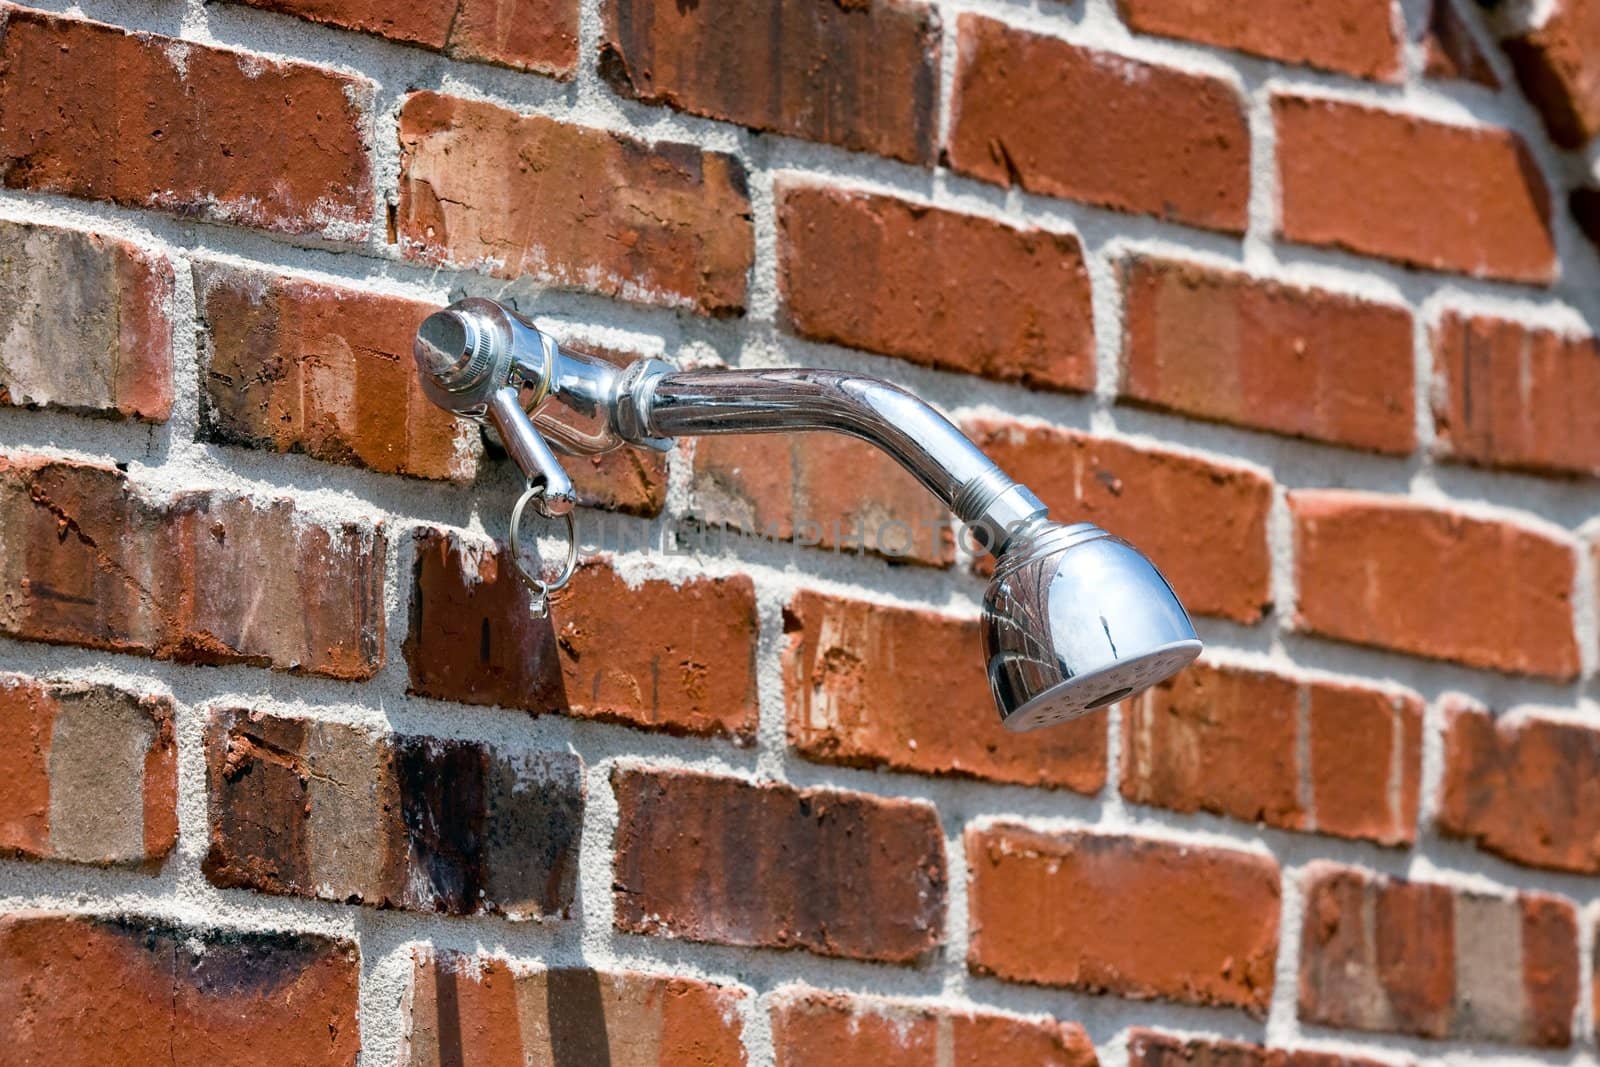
(1076, 619)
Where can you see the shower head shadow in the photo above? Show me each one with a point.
(1074, 620)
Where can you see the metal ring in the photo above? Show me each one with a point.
(541, 588)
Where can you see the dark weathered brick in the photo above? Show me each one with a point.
(729, 862)
(317, 809)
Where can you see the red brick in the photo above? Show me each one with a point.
(1271, 748)
(813, 1028)
(1358, 37)
(788, 487)
(479, 1011)
(1449, 51)
(537, 35)
(728, 862)
(88, 773)
(76, 990)
(103, 300)
(846, 688)
(1137, 917)
(333, 812)
(572, 206)
(93, 111)
(1390, 573)
(1366, 762)
(1203, 524)
(1086, 125)
(1558, 67)
(1466, 199)
(861, 74)
(678, 658)
(1383, 954)
(1523, 787)
(903, 279)
(1257, 353)
(1514, 396)
(1150, 1048)
(293, 365)
(87, 557)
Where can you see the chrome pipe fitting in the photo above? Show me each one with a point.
(1074, 619)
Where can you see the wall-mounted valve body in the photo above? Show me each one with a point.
(1074, 618)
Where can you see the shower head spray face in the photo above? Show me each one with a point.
(1074, 620)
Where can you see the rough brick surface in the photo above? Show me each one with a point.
(1072, 122)
(679, 658)
(1256, 745)
(88, 773)
(1467, 199)
(84, 323)
(789, 487)
(1515, 396)
(538, 35)
(907, 280)
(317, 809)
(1346, 36)
(1203, 524)
(861, 74)
(199, 577)
(1449, 51)
(92, 111)
(1149, 1048)
(479, 1011)
(725, 861)
(294, 365)
(1524, 787)
(572, 206)
(1132, 916)
(813, 1028)
(1383, 954)
(1558, 67)
(1383, 571)
(1257, 353)
(846, 666)
(79, 990)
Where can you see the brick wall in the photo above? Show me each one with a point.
(1298, 297)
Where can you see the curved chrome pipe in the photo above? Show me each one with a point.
(1074, 619)
(924, 442)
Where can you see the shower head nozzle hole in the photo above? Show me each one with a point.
(1110, 698)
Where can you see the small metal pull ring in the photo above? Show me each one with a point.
(539, 605)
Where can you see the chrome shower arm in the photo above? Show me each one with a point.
(475, 350)
(924, 442)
